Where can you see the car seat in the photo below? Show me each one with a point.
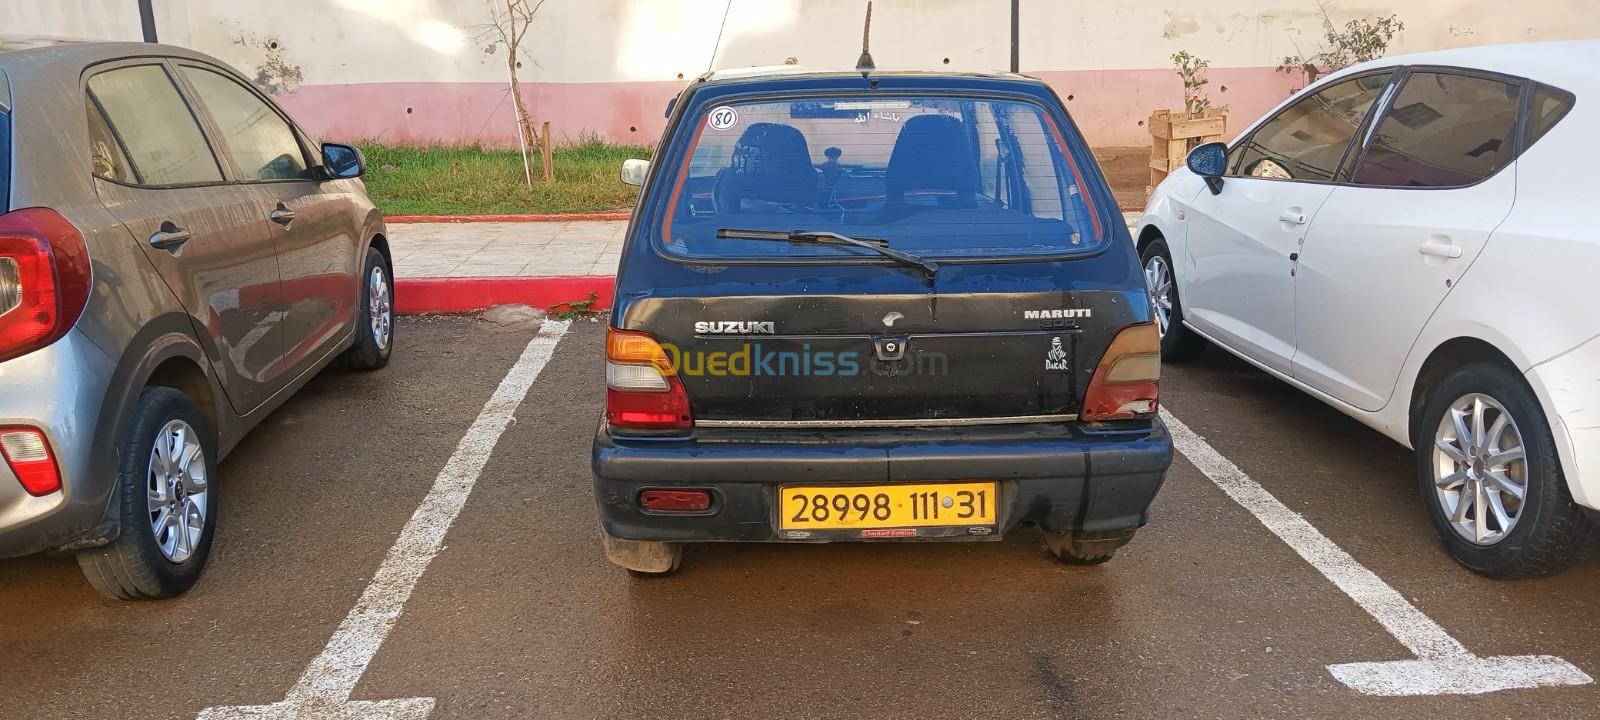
(771, 164)
(933, 154)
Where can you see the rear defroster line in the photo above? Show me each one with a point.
(1443, 666)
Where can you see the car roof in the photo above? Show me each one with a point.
(771, 73)
(1568, 64)
(64, 62)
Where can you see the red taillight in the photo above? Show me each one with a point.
(1125, 384)
(27, 453)
(643, 391)
(44, 279)
(675, 500)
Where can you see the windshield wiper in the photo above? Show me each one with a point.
(929, 268)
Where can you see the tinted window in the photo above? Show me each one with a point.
(261, 144)
(107, 158)
(934, 176)
(160, 135)
(1308, 139)
(1443, 131)
(1549, 106)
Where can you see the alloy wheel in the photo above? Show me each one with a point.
(1480, 469)
(177, 487)
(380, 308)
(1158, 278)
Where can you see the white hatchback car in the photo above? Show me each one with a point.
(1408, 240)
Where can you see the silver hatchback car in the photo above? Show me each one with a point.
(176, 259)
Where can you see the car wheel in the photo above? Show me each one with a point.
(1178, 343)
(165, 500)
(642, 558)
(1085, 548)
(374, 317)
(1492, 482)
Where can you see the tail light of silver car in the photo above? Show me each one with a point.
(44, 279)
(27, 453)
(643, 391)
(1126, 383)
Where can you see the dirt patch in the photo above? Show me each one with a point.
(1127, 170)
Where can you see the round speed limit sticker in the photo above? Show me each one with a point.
(723, 118)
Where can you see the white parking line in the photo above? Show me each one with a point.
(1443, 665)
(323, 692)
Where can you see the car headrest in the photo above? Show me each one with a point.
(932, 153)
(770, 163)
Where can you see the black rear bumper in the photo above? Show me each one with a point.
(1089, 479)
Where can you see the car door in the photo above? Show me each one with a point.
(316, 241)
(157, 173)
(1437, 176)
(1238, 269)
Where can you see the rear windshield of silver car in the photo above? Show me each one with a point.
(939, 177)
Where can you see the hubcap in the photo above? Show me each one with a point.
(1480, 469)
(1158, 278)
(380, 308)
(177, 490)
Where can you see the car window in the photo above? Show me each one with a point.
(934, 176)
(1549, 106)
(261, 143)
(5, 161)
(108, 159)
(1443, 130)
(159, 133)
(1307, 140)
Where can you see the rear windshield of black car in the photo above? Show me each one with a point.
(939, 177)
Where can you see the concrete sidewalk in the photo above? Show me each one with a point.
(505, 249)
(514, 249)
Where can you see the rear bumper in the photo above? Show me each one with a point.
(1065, 478)
(58, 390)
(1569, 389)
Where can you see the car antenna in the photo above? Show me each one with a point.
(865, 64)
(717, 46)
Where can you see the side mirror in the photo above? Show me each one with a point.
(341, 162)
(1210, 161)
(634, 171)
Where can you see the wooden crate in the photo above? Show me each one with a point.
(1171, 135)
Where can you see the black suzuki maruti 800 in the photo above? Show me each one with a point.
(875, 306)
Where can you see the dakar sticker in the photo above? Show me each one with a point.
(723, 118)
(1056, 359)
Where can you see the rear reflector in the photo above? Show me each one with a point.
(675, 500)
(1125, 383)
(642, 387)
(27, 453)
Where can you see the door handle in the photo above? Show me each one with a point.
(1293, 216)
(281, 215)
(169, 236)
(1440, 249)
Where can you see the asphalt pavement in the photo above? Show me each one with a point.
(516, 614)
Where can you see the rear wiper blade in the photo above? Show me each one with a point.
(929, 268)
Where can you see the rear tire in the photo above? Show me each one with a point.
(1178, 343)
(374, 317)
(143, 562)
(643, 558)
(1086, 548)
(1544, 532)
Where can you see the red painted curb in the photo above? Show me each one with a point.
(455, 295)
(547, 217)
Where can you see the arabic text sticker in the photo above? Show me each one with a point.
(723, 118)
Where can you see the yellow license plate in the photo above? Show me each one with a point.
(869, 507)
